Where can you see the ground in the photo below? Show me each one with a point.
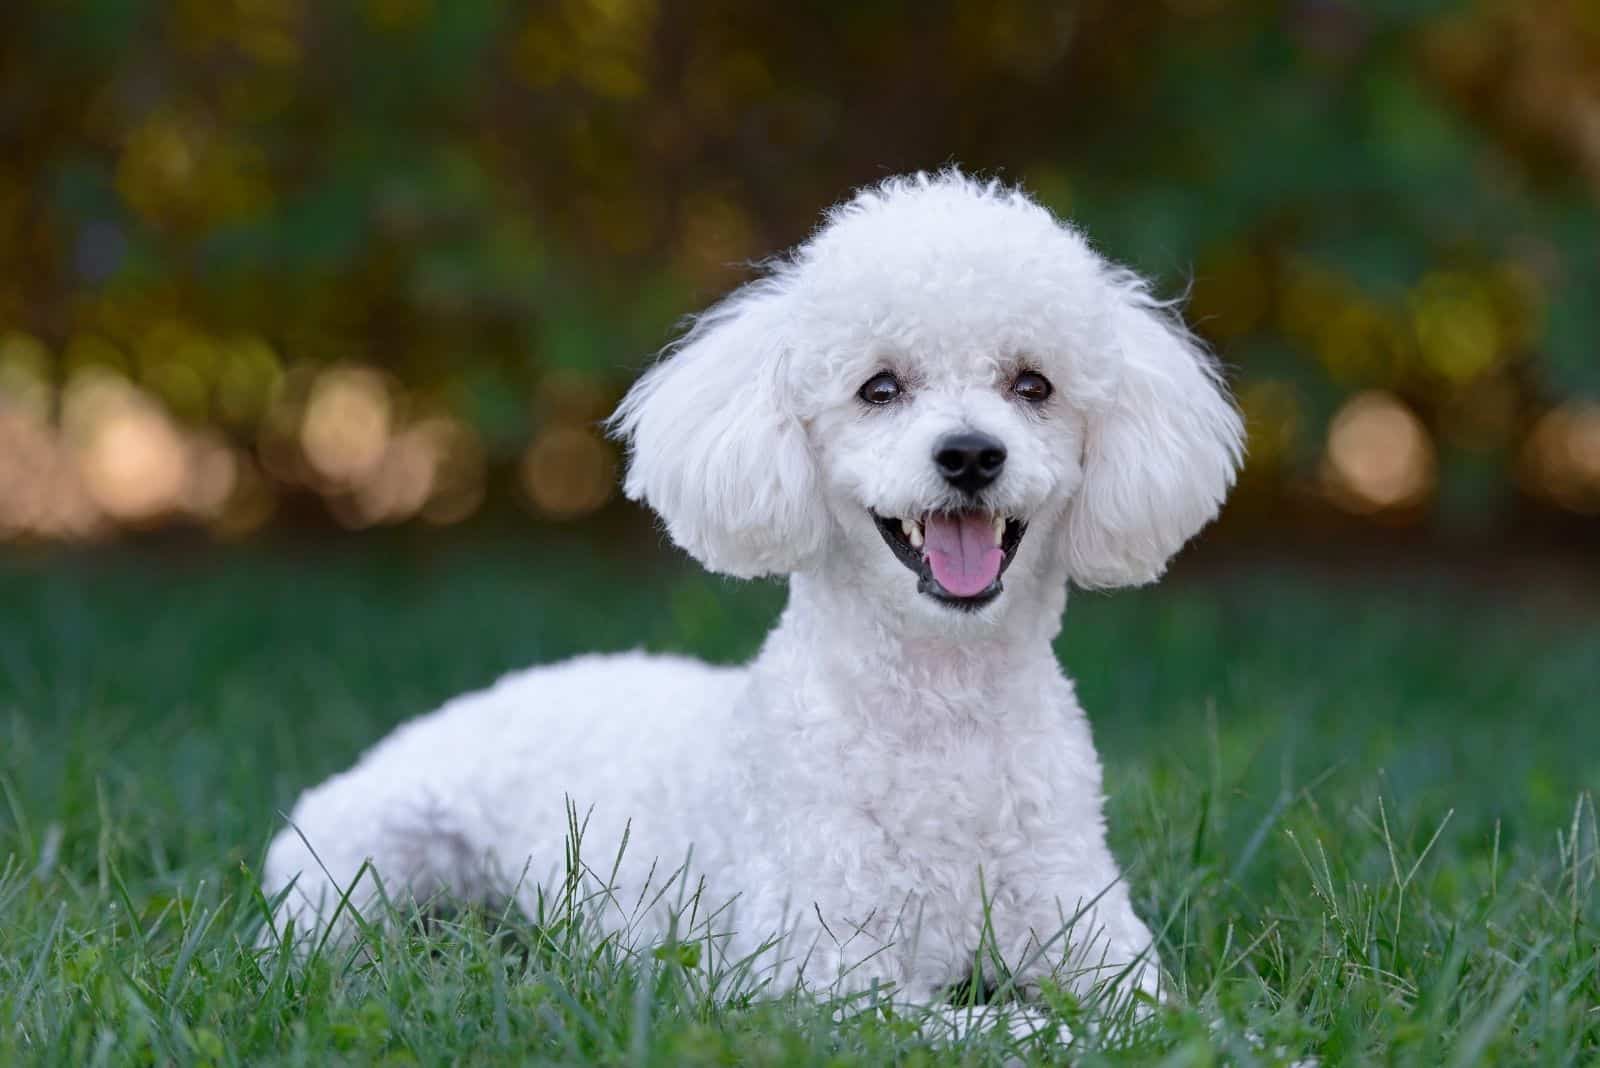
(1353, 804)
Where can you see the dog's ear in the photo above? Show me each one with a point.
(714, 448)
(1160, 451)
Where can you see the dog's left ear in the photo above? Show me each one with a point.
(1160, 453)
(714, 448)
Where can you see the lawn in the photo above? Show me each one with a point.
(1356, 808)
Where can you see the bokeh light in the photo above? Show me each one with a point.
(568, 472)
(1456, 330)
(1561, 458)
(132, 458)
(460, 470)
(346, 426)
(27, 464)
(213, 473)
(1379, 456)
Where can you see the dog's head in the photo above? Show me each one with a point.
(945, 389)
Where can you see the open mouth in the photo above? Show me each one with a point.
(958, 557)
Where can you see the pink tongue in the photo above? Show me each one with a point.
(963, 552)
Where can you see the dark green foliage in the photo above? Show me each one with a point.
(491, 198)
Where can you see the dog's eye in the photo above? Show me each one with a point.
(1033, 387)
(881, 388)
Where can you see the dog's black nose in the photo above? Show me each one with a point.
(969, 461)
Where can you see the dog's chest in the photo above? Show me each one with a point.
(932, 840)
(936, 812)
(962, 796)
(873, 813)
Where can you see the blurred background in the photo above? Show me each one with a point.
(274, 264)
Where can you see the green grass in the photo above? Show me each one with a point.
(1357, 811)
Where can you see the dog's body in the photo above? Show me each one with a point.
(943, 387)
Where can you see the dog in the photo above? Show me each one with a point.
(932, 417)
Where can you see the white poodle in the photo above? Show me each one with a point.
(932, 417)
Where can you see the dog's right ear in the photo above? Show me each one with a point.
(714, 448)
(1160, 455)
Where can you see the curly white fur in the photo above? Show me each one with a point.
(893, 783)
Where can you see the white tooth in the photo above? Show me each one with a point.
(999, 528)
(915, 535)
